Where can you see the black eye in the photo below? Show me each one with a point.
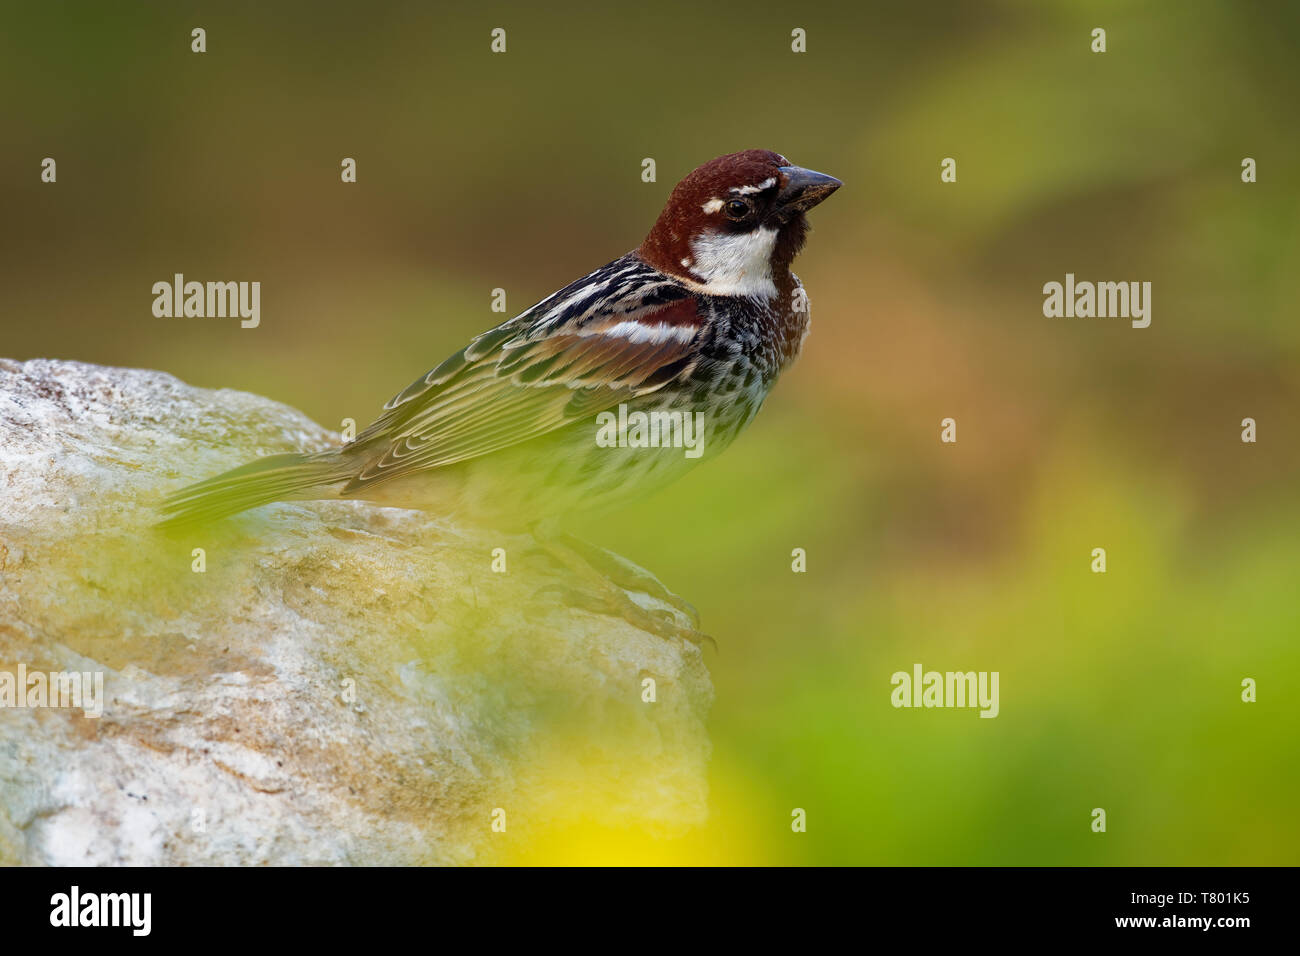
(737, 209)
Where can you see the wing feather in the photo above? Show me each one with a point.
(535, 374)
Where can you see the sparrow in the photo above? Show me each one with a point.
(694, 325)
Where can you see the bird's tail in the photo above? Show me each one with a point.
(273, 478)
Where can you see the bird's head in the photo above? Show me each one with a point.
(734, 225)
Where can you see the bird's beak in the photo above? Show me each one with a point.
(802, 188)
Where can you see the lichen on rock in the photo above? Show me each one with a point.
(308, 683)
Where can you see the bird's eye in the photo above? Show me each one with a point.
(737, 209)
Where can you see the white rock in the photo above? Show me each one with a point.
(225, 736)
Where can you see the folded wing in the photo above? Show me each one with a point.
(533, 375)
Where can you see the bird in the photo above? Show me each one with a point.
(536, 418)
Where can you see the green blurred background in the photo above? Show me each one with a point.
(522, 171)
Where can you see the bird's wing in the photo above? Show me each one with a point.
(583, 350)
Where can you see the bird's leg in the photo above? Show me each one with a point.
(630, 576)
(609, 578)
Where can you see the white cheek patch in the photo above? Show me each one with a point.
(712, 206)
(735, 264)
(750, 190)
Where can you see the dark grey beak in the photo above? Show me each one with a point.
(802, 188)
